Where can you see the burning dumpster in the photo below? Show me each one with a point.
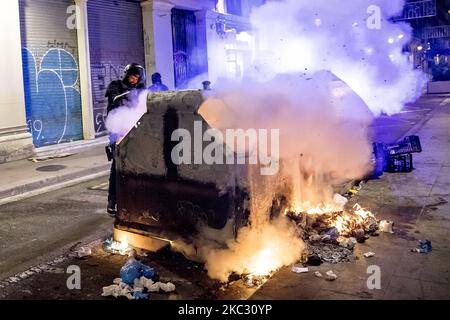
(159, 200)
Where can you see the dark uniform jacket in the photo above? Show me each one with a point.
(119, 93)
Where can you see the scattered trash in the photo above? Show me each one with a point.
(315, 238)
(348, 243)
(234, 277)
(359, 235)
(318, 274)
(386, 226)
(116, 247)
(331, 276)
(138, 295)
(166, 287)
(140, 290)
(332, 253)
(340, 200)
(423, 247)
(298, 269)
(396, 157)
(118, 290)
(56, 270)
(134, 269)
(400, 163)
(152, 286)
(369, 254)
(83, 252)
(314, 260)
(331, 234)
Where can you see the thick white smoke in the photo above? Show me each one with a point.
(355, 40)
(121, 120)
(323, 121)
(291, 86)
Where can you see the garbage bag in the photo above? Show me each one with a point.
(134, 269)
(131, 270)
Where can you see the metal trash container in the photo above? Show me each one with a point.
(159, 201)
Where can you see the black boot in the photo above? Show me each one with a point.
(112, 208)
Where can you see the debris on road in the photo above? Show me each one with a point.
(251, 280)
(118, 290)
(116, 247)
(340, 200)
(151, 286)
(138, 295)
(314, 260)
(423, 247)
(300, 269)
(136, 281)
(315, 238)
(134, 269)
(396, 157)
(369, 254)
(318, 274)
(348, 243)
(83, 252)
(331, 276)
(331, 234)
(332, 253)
(386, 226)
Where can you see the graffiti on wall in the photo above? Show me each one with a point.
(102, 74)
(52, 97)
(61, 45)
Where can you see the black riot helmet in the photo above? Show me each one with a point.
(136, 70)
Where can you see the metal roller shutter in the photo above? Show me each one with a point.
(115, 40)
(51, 75)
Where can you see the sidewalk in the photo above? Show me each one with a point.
(25, 178)
(419, 204)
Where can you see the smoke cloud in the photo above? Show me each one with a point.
(354, 40)
(323, 70)
(121, 120)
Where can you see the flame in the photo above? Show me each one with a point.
(322, 208)
(345, 221)
(262, 263)
(364, 214)
(120, 247)
(272, 249)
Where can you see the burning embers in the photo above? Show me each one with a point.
(328, 226)
(331, 236)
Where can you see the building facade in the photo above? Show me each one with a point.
(61, 55)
